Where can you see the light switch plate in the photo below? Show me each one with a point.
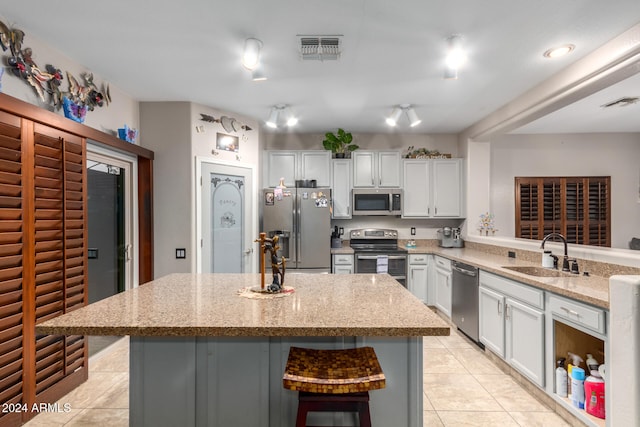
(181, 253)
(413, 231)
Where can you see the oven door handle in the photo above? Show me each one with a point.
(376, 256)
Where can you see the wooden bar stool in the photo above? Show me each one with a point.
(333, 381)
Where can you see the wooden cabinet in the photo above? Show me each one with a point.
(373, 169)
(297, 164)
(342, 264)
(511, 324)
(418, 280)
(432, 188)
(341, 188)
(443, 285)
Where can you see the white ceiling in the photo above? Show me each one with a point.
(392, 54)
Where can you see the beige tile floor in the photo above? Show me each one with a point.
(462, 387)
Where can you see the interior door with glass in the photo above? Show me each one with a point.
(226, 219)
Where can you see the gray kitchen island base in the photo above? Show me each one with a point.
(229, 381)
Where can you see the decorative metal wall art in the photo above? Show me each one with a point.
(229, 124)
(46, 82)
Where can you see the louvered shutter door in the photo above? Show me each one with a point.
(11, 265)
(60, 266)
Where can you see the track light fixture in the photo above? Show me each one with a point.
(456, 57)
(392, 120)
(258, 75)
(414, 120)
(251, 53)
(278, 111)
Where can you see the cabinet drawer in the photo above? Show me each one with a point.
(582, 314)
(443, 263)
(418, 259)
(343, 259)
(507, 287)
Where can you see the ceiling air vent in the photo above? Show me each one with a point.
(320, 48)
(622, 102)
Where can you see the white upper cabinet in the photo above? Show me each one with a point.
(341, 188)
(296, 164)
(416, 197)
(316, 165)
(280, 164)
(373, 169)
(447, 185)
(432, 188)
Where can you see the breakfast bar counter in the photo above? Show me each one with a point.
(207, 352)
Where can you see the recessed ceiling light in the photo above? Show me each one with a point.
(559, 51)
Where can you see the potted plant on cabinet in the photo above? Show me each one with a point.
(339, 143)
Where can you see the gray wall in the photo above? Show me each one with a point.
(616, 155)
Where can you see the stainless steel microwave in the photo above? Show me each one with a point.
(377, 201)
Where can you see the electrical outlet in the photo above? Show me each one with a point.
(413, 231)
(341, 231)
(512, 254)
(181, 253)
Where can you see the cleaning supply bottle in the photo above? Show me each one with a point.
(592, 364)
(594, 395)
(561, 378)
(575, 359)
(577, 387)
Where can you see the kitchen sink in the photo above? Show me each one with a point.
(537, 271)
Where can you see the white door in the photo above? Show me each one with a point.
(226, 219)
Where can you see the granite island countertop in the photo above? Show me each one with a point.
(209, 305)
(590, 289)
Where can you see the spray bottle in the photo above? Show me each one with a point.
(576, 362)
(561, 378)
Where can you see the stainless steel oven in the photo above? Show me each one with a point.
(376, 250)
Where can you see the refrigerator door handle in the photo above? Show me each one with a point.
(298, 223)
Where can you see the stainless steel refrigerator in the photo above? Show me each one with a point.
(301, 217)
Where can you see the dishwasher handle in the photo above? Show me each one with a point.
(472, 273)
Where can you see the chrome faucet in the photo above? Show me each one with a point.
(565, 260)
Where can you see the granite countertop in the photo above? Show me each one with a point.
(209, 305)
(589, 289)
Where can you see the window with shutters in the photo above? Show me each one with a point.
(577, 207)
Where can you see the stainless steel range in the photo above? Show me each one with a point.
(376, 251)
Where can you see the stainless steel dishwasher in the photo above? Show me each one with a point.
(464, 299)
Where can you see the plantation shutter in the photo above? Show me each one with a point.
(577, 207)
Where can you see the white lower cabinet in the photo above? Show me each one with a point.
(525, 339)
(418, 280)
(443, 285)
(511, 324)
(491, 320)
(342, 264)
